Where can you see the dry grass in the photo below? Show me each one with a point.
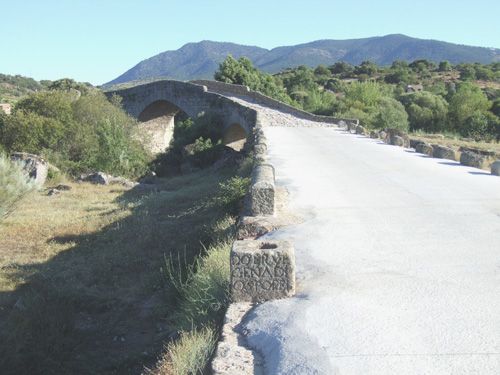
(457, 142)
(81, 283)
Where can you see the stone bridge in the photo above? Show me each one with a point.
(156, 105)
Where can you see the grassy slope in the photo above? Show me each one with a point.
(81, 283)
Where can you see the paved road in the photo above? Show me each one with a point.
(398, 261)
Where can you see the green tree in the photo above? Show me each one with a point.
(366, 67)
(445, 66)
(242, 72)
(342, 68)
(468, 100)
(426, 111)
(390, 114)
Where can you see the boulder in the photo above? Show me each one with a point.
(374, 134)
(382, 135)
(495, 168)
(97, 178)
(396, 132)
(35, 166)
(415, 142)
(360, 130)
(471, 159)
(443, 152)
(396, 140)
(424, 148)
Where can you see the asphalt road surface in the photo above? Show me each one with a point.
(398, 261)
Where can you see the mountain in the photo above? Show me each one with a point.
(201, 60)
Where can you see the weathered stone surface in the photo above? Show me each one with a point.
(391, 133)
(35, 166)
(396, 140)
(360, 130)
(97, 178)
(472, 159)
(253, 227)
(415, 142)
(262, 270)
(424, 148)
(495, 168)
(374, 134)
(262, 190)
(382, 135)
(232, 355)
(443, 152)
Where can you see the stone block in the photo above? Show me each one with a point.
(495, 168)
(262, 190)
(396, 140)
(262, 270)
(360, 130)
(424, 148)
(471, 159)
(443, 152)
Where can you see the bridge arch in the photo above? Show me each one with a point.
(157, 121)
(235, 136)
(161, 101)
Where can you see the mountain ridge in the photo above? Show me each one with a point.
(199, 60)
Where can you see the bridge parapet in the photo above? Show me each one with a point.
(244, 92)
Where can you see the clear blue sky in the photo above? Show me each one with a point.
(96, 40)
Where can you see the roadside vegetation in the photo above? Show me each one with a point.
(14, 185)
(108, 279)
(462, 101)
(100, 278)
(77, 129)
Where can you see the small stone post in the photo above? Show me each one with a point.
(262, 270)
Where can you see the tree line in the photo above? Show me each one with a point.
(444, 98)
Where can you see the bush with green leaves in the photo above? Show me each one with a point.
(76, 133)
(467, 100)
(390, 114)
(426, 111)
(242, 72)
(231, 194)
(14, 185)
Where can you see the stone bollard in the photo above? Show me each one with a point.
(262, 270)
(424, 148)
(443, 152)
(262, 190)
(396, 140)
(495, 168)
(360, 130)
(472, 159)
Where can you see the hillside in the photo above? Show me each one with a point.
(200, 60)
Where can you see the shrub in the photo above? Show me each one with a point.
(391, 114)
(467, 100)
(231, 194)
(77, 135)
(189, 355)
(426, 111)
(14, 185)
